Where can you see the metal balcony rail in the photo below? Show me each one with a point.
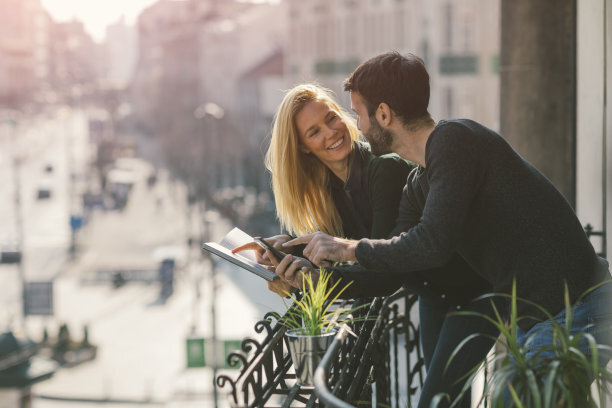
(382, 365)
(320, 376)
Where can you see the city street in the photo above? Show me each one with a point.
(141, 336)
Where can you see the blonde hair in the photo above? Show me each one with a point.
(299, 180)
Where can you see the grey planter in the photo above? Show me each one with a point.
(307, 352)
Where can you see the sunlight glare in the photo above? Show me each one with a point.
(96, 14)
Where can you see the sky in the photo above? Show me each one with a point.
(96, 14)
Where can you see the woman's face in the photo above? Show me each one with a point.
(323, 133)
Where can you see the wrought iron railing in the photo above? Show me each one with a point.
(382, 364)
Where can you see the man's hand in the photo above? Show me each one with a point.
(261, 254)
(323, 249)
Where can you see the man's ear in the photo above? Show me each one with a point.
(383, 114)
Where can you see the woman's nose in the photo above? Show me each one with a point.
(330, 131)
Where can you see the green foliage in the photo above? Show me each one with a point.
(312, 313)
(562, 378)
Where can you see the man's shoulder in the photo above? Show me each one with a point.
(462, 126)
(456, 133)
(449, 125)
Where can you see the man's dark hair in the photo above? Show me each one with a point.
(402, 82)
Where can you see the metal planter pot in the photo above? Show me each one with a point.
(307, 352)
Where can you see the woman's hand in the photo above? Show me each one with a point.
(291, 269)
(263, 256)
(281, 288)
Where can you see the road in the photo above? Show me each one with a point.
(140, 336)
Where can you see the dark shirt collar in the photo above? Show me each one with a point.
(351, 198)
(353, 181)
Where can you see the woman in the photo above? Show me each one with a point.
(323, 177)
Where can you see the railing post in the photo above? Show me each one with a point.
(320, 376)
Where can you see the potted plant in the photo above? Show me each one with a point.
(312, 322)
(567, 378)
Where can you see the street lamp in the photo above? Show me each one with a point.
(210, 219)
(216, 113)
(209, 109)
(76, 220)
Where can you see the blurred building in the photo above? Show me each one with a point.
(120, 54)
(74, 61)
(192, 55)
(328, 40)
(261, 90)
(156, 24)
(235, 41)
(42, 61)
(23, 50)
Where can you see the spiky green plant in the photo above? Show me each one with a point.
(562, 378)
(312, 313)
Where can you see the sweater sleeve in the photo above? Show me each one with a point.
(365, 283)
(453, 172)
(387, 177)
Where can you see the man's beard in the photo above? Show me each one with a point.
(380, 139)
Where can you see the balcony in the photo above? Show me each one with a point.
(381, 366)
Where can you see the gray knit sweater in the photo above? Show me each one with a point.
(499, 213)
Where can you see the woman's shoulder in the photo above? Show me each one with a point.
(389, 158)
(391, 162)
(388, 167)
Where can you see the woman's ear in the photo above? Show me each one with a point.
(383, 114)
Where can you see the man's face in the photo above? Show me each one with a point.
(380, 139)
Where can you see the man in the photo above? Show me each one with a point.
(471, 196)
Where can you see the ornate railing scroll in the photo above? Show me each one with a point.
(383, 356)
(265, 371)
(397, 374)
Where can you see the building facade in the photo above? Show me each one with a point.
(327, 40)
(23, 50)
(120, 54)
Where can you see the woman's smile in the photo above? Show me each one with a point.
(337, 144)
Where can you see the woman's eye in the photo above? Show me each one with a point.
(332, 118)
(313, 133)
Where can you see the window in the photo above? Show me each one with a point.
(458, 64)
